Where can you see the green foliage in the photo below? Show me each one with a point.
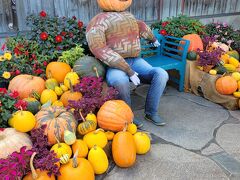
(70, 56)
(180, 26)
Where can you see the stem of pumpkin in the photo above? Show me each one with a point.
(34, 173)
(71, 86)
(58, 142)
(75, 163)
(80, 112)
(96, 71)
(99, 129)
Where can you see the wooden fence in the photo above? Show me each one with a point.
(13, 12)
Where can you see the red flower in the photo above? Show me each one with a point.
(17, 51)
(26, 53)
(63, 33)
(17, 72)
(3, 90)
(38, 71)
(163, 32)
(70, 34)
(74, 17)
(0, 103)
(43, 36)
(3, 47)
(58, 39)
(45, 63)
(34, 56)
(58, 48)
(43, 14)
(165, 23)
(14, 94)
(80, 24)
(21, 105)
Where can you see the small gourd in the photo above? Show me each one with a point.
(64, 159)
(109, 135)
(63, 87)
(86, 126)
(57, 103)
(72, 77)
(98, 159)
(61, 148)
(48, 95)
(143, 142)
(96, 137)
(92, 117)
(132, 128)
(81, 147)
(69, 137)
(58, 90)
(51, 83)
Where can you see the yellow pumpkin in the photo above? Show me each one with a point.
(98, 159)
(142, 142)
(114, 5)
(58, 90)
(96, 137)
(71, 77)
(63, 87)
(61, 148)
(225, 58)
(132, 128)
(238, 85)
(92, 117)
(51, 83)
(48, 95)
(109, 135)
(69, 137)
(81, 147)
(236, 76)
(233, 61)
(57, 103)
(236, 94)
(23, 121)
(64, 159)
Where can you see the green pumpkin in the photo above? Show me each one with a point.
(86, 127)
(89, 66)
(234, 54)
(220, 69)
(192, 55)
(33, 105)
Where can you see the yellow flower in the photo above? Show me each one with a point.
(6, 75)
(8, 56)
(2, 58)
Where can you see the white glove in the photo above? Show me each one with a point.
(156, 43)
(134, 78)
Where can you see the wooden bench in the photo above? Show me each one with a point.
(170, 55)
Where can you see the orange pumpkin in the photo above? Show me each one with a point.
(26, 85)
(57, 70)
(226, 85)
(114, 5)
(77, 169)
(57, 119)
(37, 174)
(124, 149)
(195, 42)
(70, 95)
(113, 115)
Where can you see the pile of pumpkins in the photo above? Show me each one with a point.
(80, 147)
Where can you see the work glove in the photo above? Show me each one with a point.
(134, 78)
(156, 43)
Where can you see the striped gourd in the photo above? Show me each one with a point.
(86, 127)
(57, 119)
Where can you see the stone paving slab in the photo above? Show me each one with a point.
(167, 162)
(212, 149)
(235, 114)
(188, 124)
(228, 137)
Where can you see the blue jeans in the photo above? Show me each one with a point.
(155, 76)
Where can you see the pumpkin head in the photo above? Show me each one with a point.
(57, 70)
(124, 149)
(114, 5)
(58, 120)
(195, 42)
(77, 168)
(89, 66)
(26, 85)
(226, 85)
(12, 140)
(37, 173)
(113, 115)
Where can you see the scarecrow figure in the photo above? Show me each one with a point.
(114, 38)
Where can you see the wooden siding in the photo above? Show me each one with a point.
(147, 10)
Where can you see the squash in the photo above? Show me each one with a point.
(132, 128)
(110, 135)
(98, 159)
(11, 141)
(26, 85)
(61, 149)
(69, 137)
(58, 90)
(225, 58)
(57, 103)
(124, 149)
(213, 72)
(91, 116)
(192, 55)
(37, 174)
(81, 147)
(73, 78)
(230, 67)
(58, 120)
(236, 94)
(114, 5)
(226, 85)
(23, 121)
(96, 137)
(86, 126)
(77, 169)
(33, 105)
(63, 87)
(233, 61)
(234, 54)
(220, 69)
(64, 159)
(51, 83)
(57, 70)
(89, 66)
(142, 142)
(236, 76)
(195, 42)
(113, 115)
(48, 95)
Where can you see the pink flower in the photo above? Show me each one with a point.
(45, 63)
(14, 94)
(3, 47)
(225, 24)
(21, 105)
(165, 23)
(3, 90)
(80, 24)
(43, 14)
(17, 72)
(218, 26)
